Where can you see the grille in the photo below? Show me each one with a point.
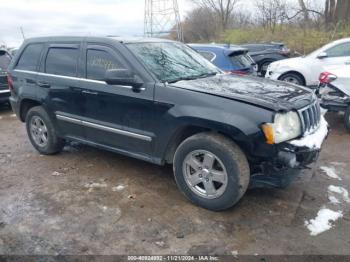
(310, 117)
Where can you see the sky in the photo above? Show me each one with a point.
(72, 17)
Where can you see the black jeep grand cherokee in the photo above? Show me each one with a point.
(161, 102)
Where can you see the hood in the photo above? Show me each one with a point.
(274, 95)
(290, 62)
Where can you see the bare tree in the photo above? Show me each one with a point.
(200, 25)
(337, 12)
(270, 13)
(342, 11)
(222, 8)
(304, 10)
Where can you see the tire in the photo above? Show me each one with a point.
(228, 158)
(39, 125)
(292, 78)
(347, 118)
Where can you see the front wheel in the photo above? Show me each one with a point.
(347, 118)
(211, 170)
(42, 133)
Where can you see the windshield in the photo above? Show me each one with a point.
(171, 61)
(5, 60)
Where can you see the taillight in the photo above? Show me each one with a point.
(10, 81)
(326, 78)
(284, 51)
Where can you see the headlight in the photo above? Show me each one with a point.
(285, 127)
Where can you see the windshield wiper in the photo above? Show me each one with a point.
(204, 75)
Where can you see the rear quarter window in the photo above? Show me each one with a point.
(30, 57)
(62, 61)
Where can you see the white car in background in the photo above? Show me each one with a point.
(306, 70)
(334, 90)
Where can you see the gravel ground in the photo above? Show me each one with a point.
(89, 201)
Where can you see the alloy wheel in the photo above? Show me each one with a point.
(205, 174)
(38, 131)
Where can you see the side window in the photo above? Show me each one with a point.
(339, 50)
(98, 62)
(62, 61)
(207, 55)
(30, 57)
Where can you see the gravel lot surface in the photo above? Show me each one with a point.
(89, 201)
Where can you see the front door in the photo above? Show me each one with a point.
(116, 116)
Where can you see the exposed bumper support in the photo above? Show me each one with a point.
(291, 159)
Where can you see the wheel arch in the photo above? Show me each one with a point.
(186, 131)
(25, 105)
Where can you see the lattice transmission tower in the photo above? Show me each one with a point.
(162, 18)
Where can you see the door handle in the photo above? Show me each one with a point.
(43, 84)
(89, 92)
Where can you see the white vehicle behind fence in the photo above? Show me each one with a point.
(306, 70)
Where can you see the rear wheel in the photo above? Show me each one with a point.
(42, 133)
(292, 78)
(211, 170)
(347, 118)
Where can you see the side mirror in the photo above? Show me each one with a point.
(322, 55)
(122, 77)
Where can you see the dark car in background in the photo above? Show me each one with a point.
(229, 58)
(266, 53)
(5, 59)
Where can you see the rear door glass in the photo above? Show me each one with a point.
(241, 61)
(62, 61)
(30, 57)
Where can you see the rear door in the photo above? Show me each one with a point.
(59, 82)
(116, 116)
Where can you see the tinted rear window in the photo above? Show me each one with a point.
(5, 60)
(241, 61)
(62, 61)
(30, 57)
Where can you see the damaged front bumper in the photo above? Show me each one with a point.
(290, 159)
